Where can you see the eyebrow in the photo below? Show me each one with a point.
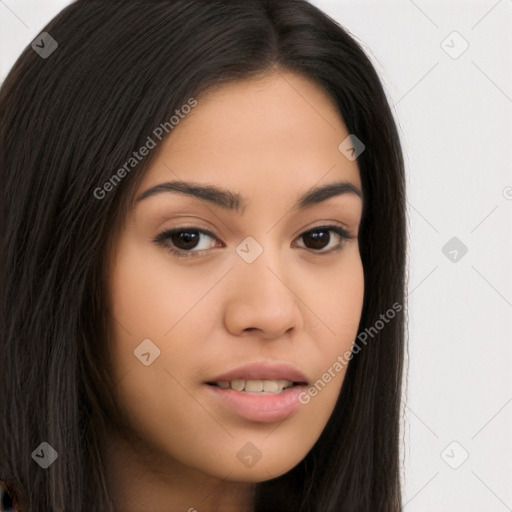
(233, 201)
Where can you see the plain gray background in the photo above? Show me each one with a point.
(454, 110)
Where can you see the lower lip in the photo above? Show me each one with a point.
(261, 408)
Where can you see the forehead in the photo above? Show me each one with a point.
(277, 132)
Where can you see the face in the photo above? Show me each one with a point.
(229, 305)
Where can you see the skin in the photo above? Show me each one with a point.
(269, 139)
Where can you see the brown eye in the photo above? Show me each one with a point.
(316, 239)
(320, 237)
(185, 239)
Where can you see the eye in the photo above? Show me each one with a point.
(193, 241)
(319, 237)
(181, 241)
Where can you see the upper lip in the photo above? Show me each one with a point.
(263, 371)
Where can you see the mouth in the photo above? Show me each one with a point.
(256, 386)
(259, 392)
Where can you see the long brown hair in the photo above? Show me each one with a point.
(68, 122)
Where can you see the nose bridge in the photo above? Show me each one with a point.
(260, 296)
(262, 265)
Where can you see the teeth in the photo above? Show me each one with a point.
(271, 386)
(238, 384)
(255, 385)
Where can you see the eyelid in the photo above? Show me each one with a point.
(161, 239)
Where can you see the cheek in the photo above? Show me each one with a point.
(155, 306)
(152, 303)
(149, 293)
(336, 302)
(153, 299)
(338, 306)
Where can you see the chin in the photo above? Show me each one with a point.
(248, 463)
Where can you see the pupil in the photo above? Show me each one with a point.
(319, 238)
(185, 239)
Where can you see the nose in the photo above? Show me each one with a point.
(261, 299)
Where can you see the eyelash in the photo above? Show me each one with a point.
(162, 240)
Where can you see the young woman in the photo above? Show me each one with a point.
(203, 244)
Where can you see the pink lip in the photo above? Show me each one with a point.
(264, 371)
(264, 408)
(260, 408)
